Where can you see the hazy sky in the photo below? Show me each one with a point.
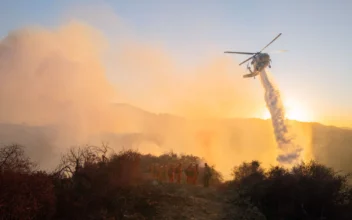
(315, 72)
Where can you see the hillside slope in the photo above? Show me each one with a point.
(223, 142)
(175, 201)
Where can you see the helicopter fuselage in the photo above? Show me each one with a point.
(259, 62)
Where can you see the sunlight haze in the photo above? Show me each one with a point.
(313, 34)
(111, 70)
(161, 109)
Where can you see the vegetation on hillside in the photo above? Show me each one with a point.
(87, 184)
(90, 184)
(306, 191)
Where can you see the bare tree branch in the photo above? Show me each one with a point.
(12, 157)
(79, 156)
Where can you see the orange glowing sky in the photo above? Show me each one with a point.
(183, 38)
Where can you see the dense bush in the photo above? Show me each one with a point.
(86, 185)
(101, 187)
(89, 185)
(307, 191)
(24, 193)
(185, 160)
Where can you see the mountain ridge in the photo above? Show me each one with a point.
(221, 141)
(134, 108)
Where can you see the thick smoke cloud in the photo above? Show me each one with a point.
(54, 77)
(53, 80)
(58, 88)
(68, 78)
(289, 151)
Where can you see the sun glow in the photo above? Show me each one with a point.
(293, 111)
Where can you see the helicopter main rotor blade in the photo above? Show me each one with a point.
(246, 60)
(271, 42)
(246, 53)
(278, 51)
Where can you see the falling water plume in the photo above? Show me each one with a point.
(289, 152)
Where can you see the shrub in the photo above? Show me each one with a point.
(99, 188)
(24, 193)
(307, 191)
(26, 196)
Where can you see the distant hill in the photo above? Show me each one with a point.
(224, 142)
(39, 140)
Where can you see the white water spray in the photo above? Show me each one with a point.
(289, 152)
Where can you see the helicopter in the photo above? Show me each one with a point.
(259, 60)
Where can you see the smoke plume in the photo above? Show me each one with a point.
(53, 80)
(66, 80)
(59, 87)
(289, 152)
